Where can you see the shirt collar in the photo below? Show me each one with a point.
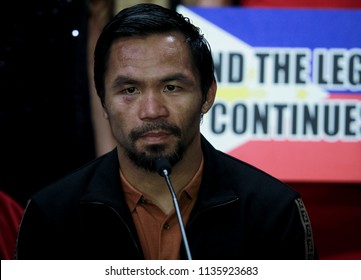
(133, 196)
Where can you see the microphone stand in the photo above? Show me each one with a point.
(164, 168)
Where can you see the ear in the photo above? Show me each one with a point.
(211, 95)
(105, 113)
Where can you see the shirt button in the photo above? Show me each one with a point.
(166, 226)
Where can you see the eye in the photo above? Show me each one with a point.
(130, 91)
(171, 88)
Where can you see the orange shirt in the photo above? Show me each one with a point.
(159, 233)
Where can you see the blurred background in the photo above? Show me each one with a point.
(51, 120)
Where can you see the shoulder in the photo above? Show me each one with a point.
(242, 176)
(74, 185)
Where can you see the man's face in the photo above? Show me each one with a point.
(152, 98)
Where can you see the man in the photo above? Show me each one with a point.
(155, 78)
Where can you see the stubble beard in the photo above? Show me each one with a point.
(146, 159)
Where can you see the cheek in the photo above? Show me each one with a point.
(189, 116)
(117, 118)
(117, 109)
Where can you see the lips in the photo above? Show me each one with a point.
(155, 132)
(155, 136)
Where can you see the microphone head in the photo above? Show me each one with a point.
(162, 164)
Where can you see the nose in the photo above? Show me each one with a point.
(153, 106)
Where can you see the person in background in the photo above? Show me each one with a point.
(46, 131)
(154, 75)
(10, 216)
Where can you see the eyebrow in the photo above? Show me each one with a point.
(176, 77)
(121, 80)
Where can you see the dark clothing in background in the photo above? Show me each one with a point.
(45, 121)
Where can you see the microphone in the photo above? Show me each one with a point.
(164, 169)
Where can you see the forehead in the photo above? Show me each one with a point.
(151, 53)
(167, 44)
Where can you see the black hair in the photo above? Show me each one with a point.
(147, 19)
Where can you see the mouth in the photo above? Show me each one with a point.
(155, 134)
(155, 137)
